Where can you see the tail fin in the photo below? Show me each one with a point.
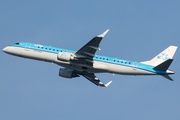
(168, 53)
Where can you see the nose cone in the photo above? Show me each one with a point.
(5, 49)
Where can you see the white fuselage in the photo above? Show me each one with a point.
(98, 66)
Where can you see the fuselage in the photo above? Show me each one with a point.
(100, 63)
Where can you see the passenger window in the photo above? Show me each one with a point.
(53, 49)
(49, 48)
(46, 48)
(114, 61)
(103, 58)
(17, 43)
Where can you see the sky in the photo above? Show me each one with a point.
(139, 30)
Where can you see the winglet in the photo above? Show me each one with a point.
(107, 84)
(102, 35)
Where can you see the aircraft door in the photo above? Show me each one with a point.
(28, 45)
(135, 65)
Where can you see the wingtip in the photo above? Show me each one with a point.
(103, 34)
(107, 84)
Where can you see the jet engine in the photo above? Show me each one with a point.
(67, 73)
(65, 56)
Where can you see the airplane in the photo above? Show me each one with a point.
(84, 62)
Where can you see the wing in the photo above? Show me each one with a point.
(91, 77)
(88, 51)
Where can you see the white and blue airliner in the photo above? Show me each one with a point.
(85, 63)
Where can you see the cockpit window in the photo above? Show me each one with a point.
(17, 43)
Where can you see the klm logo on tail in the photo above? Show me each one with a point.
(163, 56)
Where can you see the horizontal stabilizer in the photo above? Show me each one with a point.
(168, 77)
(163, 66)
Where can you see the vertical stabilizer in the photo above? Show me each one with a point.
(168, 53)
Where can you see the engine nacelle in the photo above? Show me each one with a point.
(65, 56)
(67, 73)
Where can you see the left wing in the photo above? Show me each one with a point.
(88, 50)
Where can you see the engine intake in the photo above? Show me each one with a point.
(67, 73)
(65, 56)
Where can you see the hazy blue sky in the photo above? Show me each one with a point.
(139, 30)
